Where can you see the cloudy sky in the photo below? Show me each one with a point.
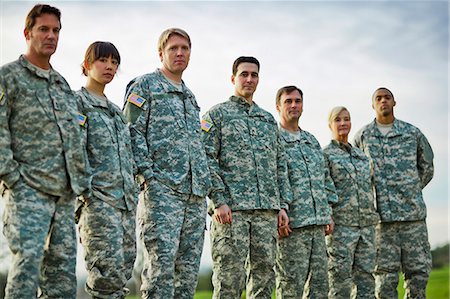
(337, 52)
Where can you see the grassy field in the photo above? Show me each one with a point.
(438, 286)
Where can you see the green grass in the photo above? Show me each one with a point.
(438, 286)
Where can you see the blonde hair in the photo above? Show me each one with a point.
(164, 37)
(335, 112)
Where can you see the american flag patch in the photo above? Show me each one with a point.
(81, 119)
(206, 125)
(136, 100)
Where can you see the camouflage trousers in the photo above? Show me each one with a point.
(243, 254)
(402, 246)
(301, 268)
(40, 230)
(351, 262)
(172, 230)
(108, 236)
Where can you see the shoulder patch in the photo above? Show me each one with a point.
(82, 119)
(136, 100)
(1, 95)
(206, 125)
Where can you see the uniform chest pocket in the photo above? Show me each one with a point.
(167, 111)
(100, 128)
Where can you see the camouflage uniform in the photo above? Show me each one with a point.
(301, 267)
(351, 247)
(42, 167)
(403, 166)
(171, 160)
(108, 209)
(248, 172)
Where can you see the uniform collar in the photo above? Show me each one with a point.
(93, 99)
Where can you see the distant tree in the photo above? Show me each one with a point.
(204, 282)
(440, 256)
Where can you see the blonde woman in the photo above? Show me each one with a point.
(351, 246)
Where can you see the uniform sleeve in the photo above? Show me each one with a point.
(211, 137)
(424, 160)
(9, 172)
(137, 118)
(87, 193)
(330, 189)
(286, 195)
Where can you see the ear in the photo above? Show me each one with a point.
(86, 65)
(232, 79)
(160, 56)
(278, 108)
(26, 33)
(394, 103)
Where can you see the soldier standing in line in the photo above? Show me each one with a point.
(107, 211)
(248, 171)
(403, 165)
(172, 171)
(351, 246)
(41, 165)
(301, 268)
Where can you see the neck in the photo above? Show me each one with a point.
(41, 62)
(175, 77)
(95, 87)
(291, 126)
(385, 120)
(342, 139)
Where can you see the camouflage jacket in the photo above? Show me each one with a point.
(107, 143)
(312, 188)
(39, 133)
(165, 134)
(351, 173)
(246, 158)
(403, 166)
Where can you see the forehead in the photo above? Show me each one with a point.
(247, 67)
(46, 19)
(295, 94)
(382, 93)
(343, 113)
(176, 39)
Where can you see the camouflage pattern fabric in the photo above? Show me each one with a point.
(351, 247)
(312, 188)
(165, 134)
(301, 264)
(108, 210)
(248, 170)
(172, 229)
(246, 158)
(42, 166)
(107, 144)
(313, 191)
(351, 174)
(403, 166)
(402, 246)
(171, 162)
(108, 236)
(351, 262)
(251, 231)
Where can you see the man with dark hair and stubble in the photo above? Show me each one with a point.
(42, 167)
(249, 176)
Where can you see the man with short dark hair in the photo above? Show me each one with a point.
(41, 165)
(248, 171)
(403, 165)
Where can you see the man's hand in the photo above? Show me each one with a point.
(329, 227)
(283, 224)
(222, 214)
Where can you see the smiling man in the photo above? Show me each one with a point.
(248, 171)
(403, 165)
(172, 171)
(301, 267)
(41, 165)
